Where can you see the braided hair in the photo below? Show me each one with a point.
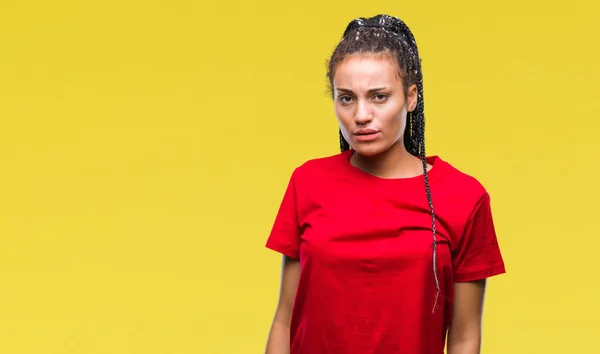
(384, 34)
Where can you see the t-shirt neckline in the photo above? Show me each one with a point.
(434, 160)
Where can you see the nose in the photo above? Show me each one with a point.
(363, 113)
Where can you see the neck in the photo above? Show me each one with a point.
(395, 162)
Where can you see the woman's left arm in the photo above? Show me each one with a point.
(464, 335)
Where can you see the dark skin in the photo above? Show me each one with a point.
(464, 335)
(359, 105)
(279, 337)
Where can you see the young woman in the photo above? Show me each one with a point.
(385, 250)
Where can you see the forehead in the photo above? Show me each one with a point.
(367, 71)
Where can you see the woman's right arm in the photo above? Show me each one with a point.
(279, 336)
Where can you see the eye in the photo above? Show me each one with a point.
(345, 99)
(380, 97)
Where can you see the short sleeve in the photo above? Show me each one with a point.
(285, 234)
(478, 254)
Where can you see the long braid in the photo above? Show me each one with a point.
(432, 212)
(381, 34)
(420, 147)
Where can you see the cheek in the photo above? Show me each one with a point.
(402, 125)
(344, 118)
(396, 124)
(344, 129)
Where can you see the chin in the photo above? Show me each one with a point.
(369, 149)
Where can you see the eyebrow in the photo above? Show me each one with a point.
(373, 90)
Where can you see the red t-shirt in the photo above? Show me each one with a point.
(365, 248)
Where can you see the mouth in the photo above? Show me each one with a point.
(366, 134)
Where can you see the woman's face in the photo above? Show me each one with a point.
(370, 103)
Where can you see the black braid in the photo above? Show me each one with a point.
(344, 146)
(387, 34)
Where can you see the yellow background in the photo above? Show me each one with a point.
(145, 147)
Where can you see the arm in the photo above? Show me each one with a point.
(464, 336)
(279, 337)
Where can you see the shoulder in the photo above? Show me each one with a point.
(461, 178)
(316, 167)
(460, 183)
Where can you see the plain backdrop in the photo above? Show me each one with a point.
(145, 147)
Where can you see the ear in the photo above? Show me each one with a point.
(412, 96)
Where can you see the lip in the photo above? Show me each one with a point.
(366, 134)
